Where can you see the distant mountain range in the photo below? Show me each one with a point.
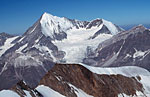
(55, 46)
(129, 26)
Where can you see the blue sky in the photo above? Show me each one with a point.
(17, 15)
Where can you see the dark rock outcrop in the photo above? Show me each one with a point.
(21, 87)
(61, 75)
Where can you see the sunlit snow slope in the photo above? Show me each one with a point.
(75, 46)
(129, 71)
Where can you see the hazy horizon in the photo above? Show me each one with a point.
(17, 16)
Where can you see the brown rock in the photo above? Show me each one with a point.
(93, 84)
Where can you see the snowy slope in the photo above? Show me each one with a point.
(7, 45)
(129, 71)
(79, 92)
(124, 70)
(8, 93)
(110, 26)
(53, 24)
(75, 46)
(48, 92)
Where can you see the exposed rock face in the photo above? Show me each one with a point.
(104, 29)
(30, 74)
(130, 48)
(61, 75)
(21, 87)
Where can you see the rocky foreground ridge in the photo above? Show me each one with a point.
(74, 80)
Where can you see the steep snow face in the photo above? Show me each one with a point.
(140, 53)
(79, 92)
(110, 26)
(124, 70)
(48, 92)
(53, 24)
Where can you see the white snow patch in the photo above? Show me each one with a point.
(140, 53)
(78, 39)
(4, 68)
(27, 93)
(127, 55)
(145, 80)
(79, 92)
(36, 41)
(7, 45)
(21, 48)
(8, 93)
(21, 39)
(48, 92)
(58, 78)
(33, 29)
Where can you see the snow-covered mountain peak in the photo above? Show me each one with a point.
(53, 24)
(110, 26)
(46, 17)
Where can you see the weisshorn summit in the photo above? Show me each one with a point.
(60, 47)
